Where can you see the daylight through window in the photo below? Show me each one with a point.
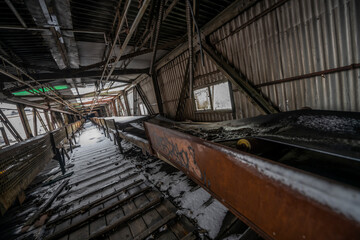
(214, 97)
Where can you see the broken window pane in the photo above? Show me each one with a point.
(221, 96)
(202, 99)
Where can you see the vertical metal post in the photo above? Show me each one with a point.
(46, 113)
(35, 122)
(114, 108)
(157, 92)
(156, 35)
(53, 119)
(135, 102)
(41, 121)
(66, 118)
(4, 135)
(10, 127)
(233, 107)
(24, 121)
(191, 50)
(122, 106)
(127, 104)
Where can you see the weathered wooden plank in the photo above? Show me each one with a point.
(114, 216)
(182, 227)
(138, 225)
(62, 226)
(97, 225)
(122, 233)
(81, 233)
(151, 217)
(155, 226)
(167, 235)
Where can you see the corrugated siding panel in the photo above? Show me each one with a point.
(297, 38)
(170, 79)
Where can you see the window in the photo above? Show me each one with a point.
(214, 97)
(220, 96)
(202, 99)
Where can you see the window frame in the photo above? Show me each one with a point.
(208, 86)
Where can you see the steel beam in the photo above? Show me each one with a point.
(128, 37)
(73, 74)
(190, 47)
(13, 9)
(114, 108)
(16, 100)
(10, 127)
(42, 29)
(157, 93)
(277, 201)
(156, 36)
(35, 122)
(19, 78)
(126, 104)
(4, 136)
(41, 120)
(47, 118)
(239, 80)
(24, 121)
(226, 15)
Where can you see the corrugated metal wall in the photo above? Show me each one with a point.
(297, 38)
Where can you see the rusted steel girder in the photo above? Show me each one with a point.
(278, 201)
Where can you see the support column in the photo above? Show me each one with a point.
(135, 102)
(35, 122)
(49, 123)
(4, 135)
(41, 120)
(24, 121)
(122, 106)
(114, 108)
(233, 106)
(157, 93)
(10, 127)
(127, 104)
(66, 119)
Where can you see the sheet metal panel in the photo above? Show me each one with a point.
(297, 38)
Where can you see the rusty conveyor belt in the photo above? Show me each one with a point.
(261, 186)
